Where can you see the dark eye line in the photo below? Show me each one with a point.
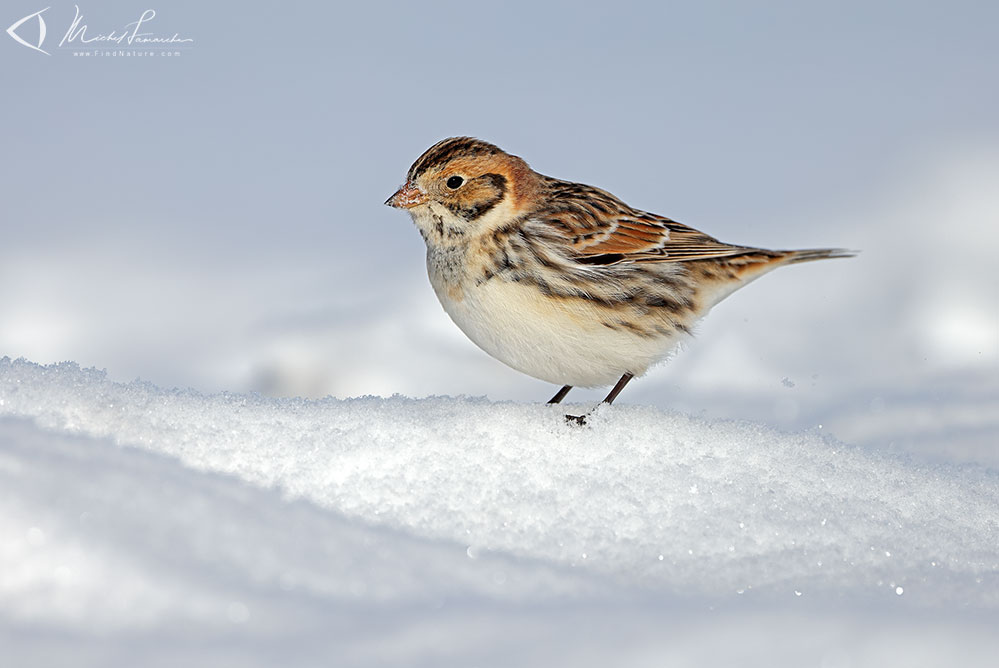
(455, 182)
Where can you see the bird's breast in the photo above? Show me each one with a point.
(448, 271)
(560, 341)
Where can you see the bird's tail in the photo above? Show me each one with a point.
(752, 264)
(793, 257)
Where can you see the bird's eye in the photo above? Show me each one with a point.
(455, 182)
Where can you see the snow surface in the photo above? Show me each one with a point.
(144, 526)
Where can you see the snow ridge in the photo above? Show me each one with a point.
(137, 507)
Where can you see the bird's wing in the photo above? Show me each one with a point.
(598, 228)
(662, 240)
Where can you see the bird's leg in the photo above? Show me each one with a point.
(616, 390)
(560, 395)
(609, 399)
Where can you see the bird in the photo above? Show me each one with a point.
(564, 281)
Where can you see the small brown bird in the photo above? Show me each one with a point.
(564, 281)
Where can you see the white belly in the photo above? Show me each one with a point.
(546, 338)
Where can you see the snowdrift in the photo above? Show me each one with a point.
(139, 522)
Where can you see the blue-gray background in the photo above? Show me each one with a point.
(216, 220)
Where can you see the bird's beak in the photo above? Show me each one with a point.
(407, 197)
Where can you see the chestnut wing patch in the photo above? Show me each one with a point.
(646, 239)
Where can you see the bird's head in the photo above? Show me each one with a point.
(463, 187)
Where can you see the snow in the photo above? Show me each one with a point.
(154, 526)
